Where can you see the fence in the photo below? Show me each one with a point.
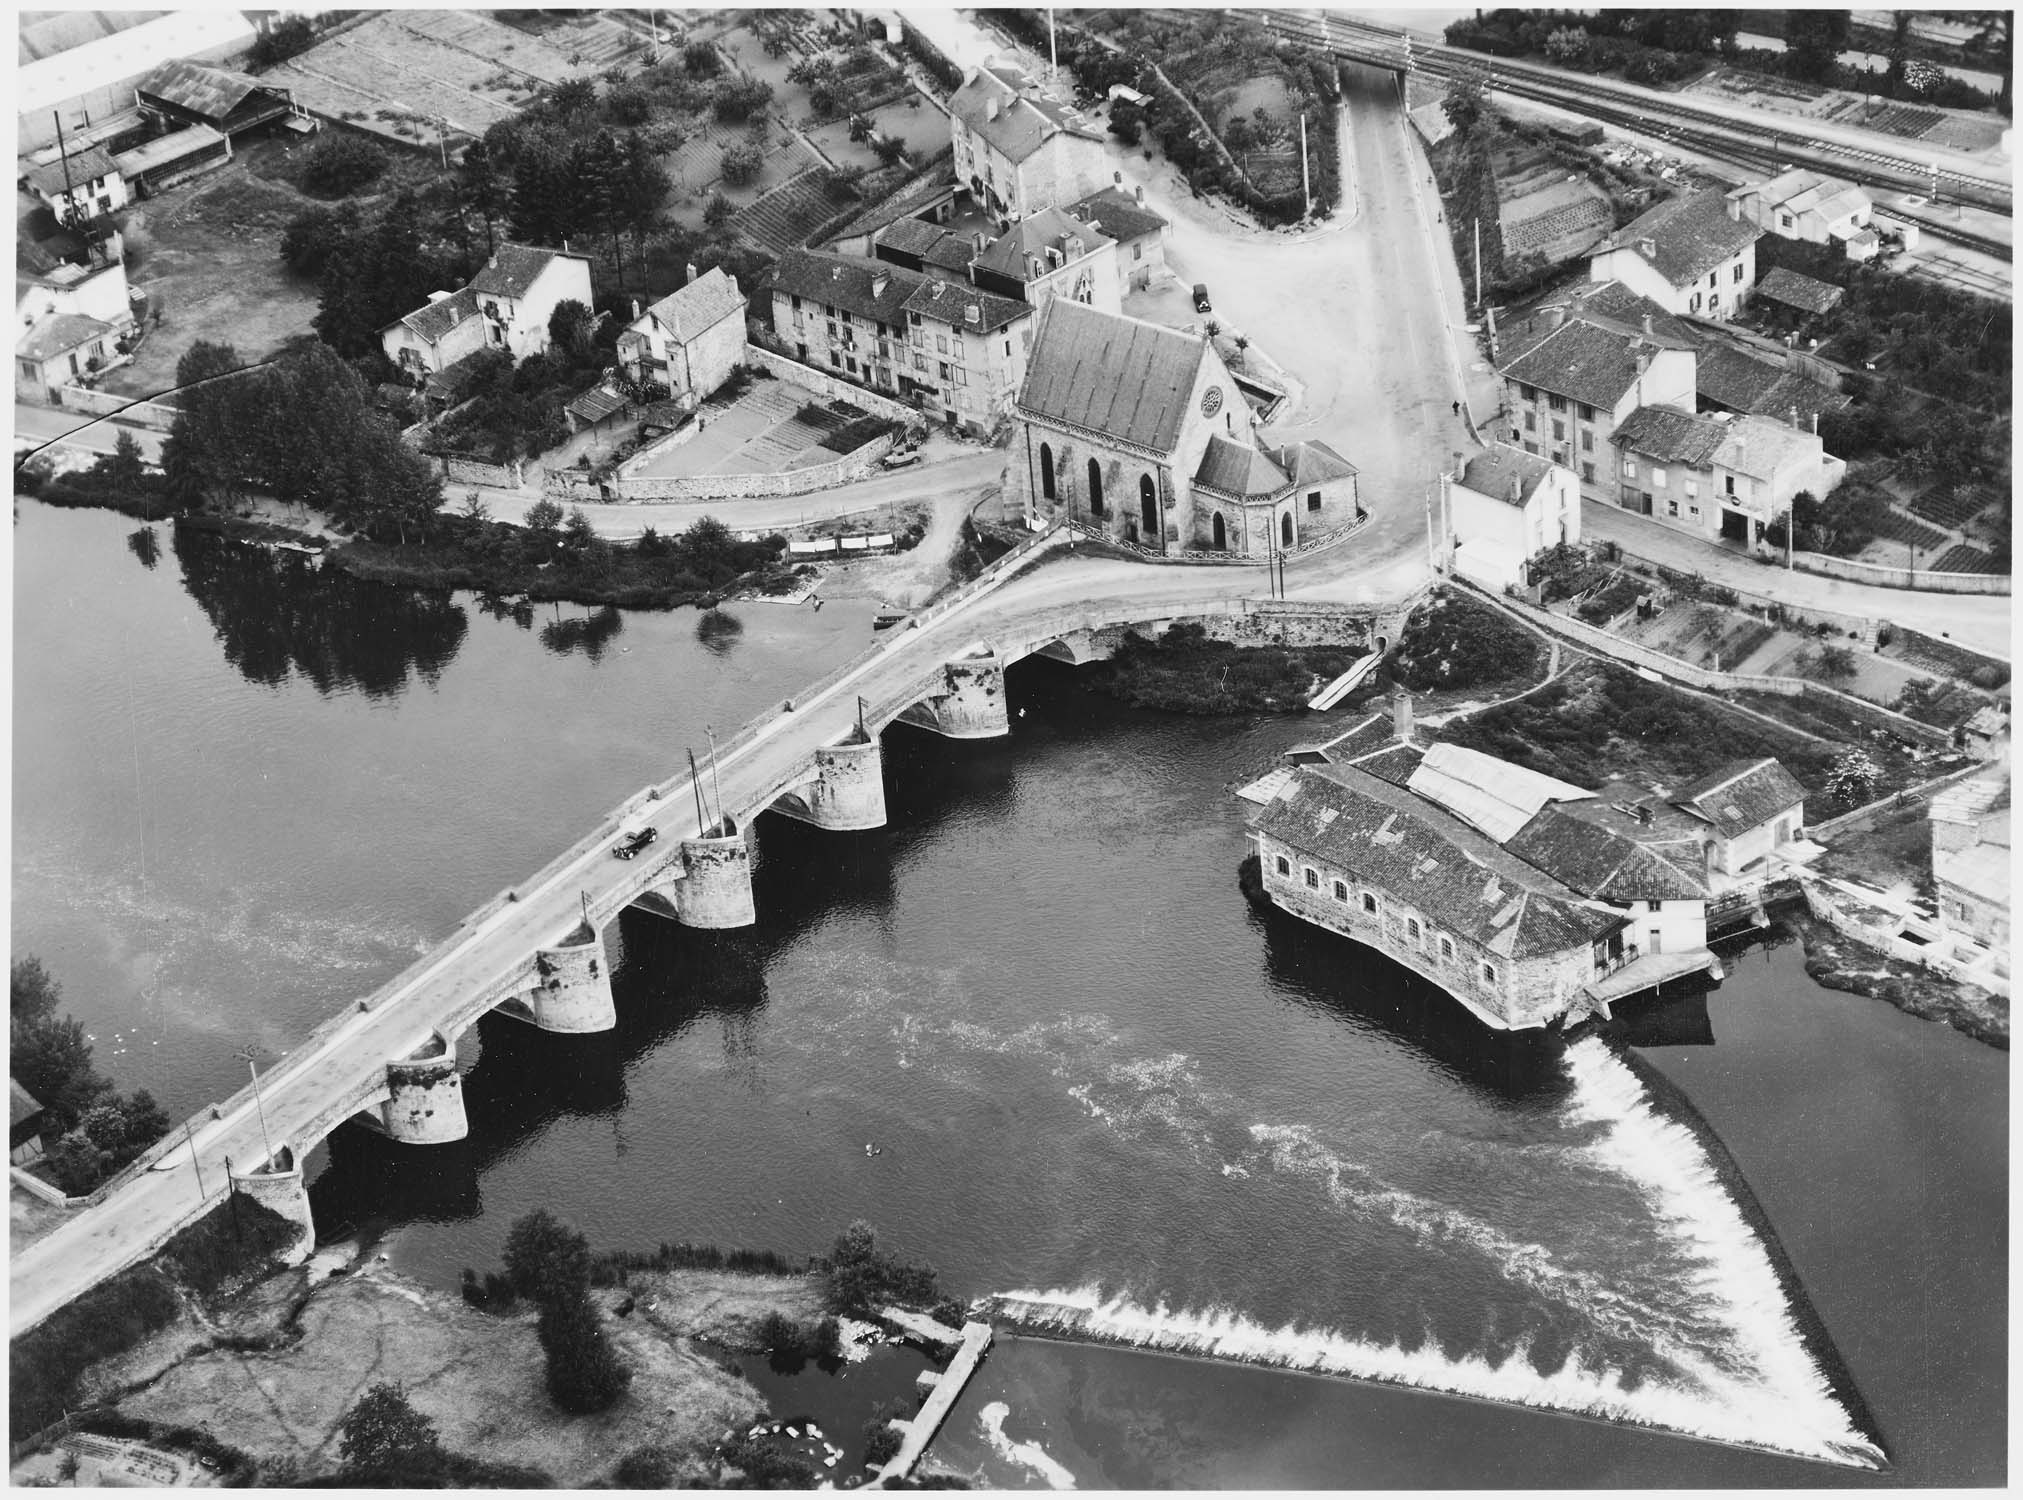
(1706, 677)
(694, 488)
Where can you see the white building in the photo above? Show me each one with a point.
(1504, 507)
(1017, 148)
(86, 183)
(1751, 809)
(1691, 255)
(690, 340)
(85, 78)
(506, 306)
(1718, 476)
(1050, 254)
(70, 320)
(1804, 205)
(1139, 232)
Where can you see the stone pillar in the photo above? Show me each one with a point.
(972, 705)
(848, 791)
(716, 887)
(279, 1186)
(425, 1106)
(575, 989)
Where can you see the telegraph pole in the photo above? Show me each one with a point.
(695, 781)
(716, 786)
(1478, 260)
(1305, 178)
(194, 1166)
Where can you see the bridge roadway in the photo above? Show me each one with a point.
(491, 959)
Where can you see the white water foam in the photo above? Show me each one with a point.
(1025, 1455)
(1763, 1389)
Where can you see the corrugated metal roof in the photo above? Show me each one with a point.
(595, 404)
(211, 92)
(1129, 380)
(45, 33)
(161, 151)
(58, 79)
(1490, 794)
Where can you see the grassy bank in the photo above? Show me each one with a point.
(46, 1364)
(1840, 963)
(1183, 671)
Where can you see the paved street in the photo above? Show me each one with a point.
(36, 424)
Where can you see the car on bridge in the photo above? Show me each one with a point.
(627, 848)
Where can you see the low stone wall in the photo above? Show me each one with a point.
(457, 469)
(1901, 578)
(1868, 815)
(711, 487)
(829, 387)
(630, 468)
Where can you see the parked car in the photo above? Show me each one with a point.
(1201, 297)
(627, 848)
(901, 459)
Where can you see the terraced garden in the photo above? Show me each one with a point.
(1964, 559)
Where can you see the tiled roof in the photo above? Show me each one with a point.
(1491, 473)
(1118, 214)
(1032, 237)
(211, 92)
(1670, 435)
(1689, 236)
(513, 268)
(950, 302)
(1730, 377)
(1460, 880)
(1599, 862)
(1796, 289)
(1581, 360)
(23, 1105)
(1762, 447)
(1490, 794)
(84, 167)
(694, 309)
(1025, 119)
(914, 236)
(874, 289)
(1620, 307)
(1239, 471)
(1129, 380)
(1799, 191)
(58, 334)
(595, 404)
(1311, 462)
(430, 323)
(1742, 795)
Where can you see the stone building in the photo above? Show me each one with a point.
(1971, 865)
(1137, 430)
(83, 184)
(1139, 232)
(1050, 254)
(1505, 507)
(690, 340)
(1750, 810)
(1017, 148)
(506, 306)
(1718, 476)
(1693, 254)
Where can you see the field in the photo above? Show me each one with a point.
(1545, 209)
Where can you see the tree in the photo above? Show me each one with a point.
(548, 1260)
(736, 100)
(1837, 663)
(483, 189)
(340, 164)
(889, 149)
(719, 211)
(1813, 41)
(645, 189)
(474, 508)
(317, 233)
(569, 326)
(1463, 105)
(577, 531)
(1127, 121)
(281, 41)
(1852, 781)
(700, 60)
(384, 1434)
(739, 165)
(572, 97)
(124, 469)
(584, 1373)
(1567, 46)
(49, 1054)
(544, 517)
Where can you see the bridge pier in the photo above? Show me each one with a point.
(971, 705)
(278, 1185)
(574, 994)
(848, 792)
(425, 1102)
(715, 890)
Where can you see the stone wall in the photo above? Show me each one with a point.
(567, 485)
(459, 470)
(829, 387)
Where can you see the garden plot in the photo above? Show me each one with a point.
(774, 426)
(1545, 209)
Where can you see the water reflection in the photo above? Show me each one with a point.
(589, 634)
(718, 631)
(276, 614)
(145, 544)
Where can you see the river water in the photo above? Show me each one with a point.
(1102, 1089)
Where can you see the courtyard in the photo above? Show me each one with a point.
(772, 427)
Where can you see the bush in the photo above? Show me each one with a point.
(548, 1260)
(649, 1468)
(285, 39)
(340, 164)
(1455, 642)
(859, 1278)
(740, 165)
(584, 1373)
(700, 60)
(1989, 677)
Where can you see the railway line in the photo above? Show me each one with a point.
(1663, 118)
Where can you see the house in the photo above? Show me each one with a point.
(59, 350)
(180, 93)
(1576, 369)
(1136, 430)
(1985, 735)
(506, 306)
(74, 319)
(1691, 255)
(159, 164)
(690, 340)
(1750, 810)
(81, 185)
(954, 351)
(1799, 204)
(81, 66)
(24, 1130)
(1722, 476)
(1050, 254)
(1732, 379)
(1139, 232)
(1503, 508)
(919, 245)
(1797, 293)
(1971, 860)
(1397, 872)
(1017, 148)
(1665, 457)
(1658, 882)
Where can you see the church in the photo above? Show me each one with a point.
(1138, 431)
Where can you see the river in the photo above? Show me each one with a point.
(245, 793)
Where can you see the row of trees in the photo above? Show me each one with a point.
(302, 429)
(96, 1130)
(548, 1263)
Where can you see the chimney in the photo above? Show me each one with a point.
(691, 273)
(879, 282)
(635, 309)
(494, 262)
(1117, 179)
(1401, 717)
(1648, 248)
(990, 108)
(973, 315)
(1555, 316)
(1516, 490)
(1644, 814)
(1647, 325)
(1138, 192)
(1794, 420)
(980, 242)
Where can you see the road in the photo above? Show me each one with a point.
(38, 424)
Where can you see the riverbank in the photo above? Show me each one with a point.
(1840, 963)
(1183, 671)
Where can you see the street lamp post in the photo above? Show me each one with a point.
(249, 1053)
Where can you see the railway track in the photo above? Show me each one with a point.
(1670, 120)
